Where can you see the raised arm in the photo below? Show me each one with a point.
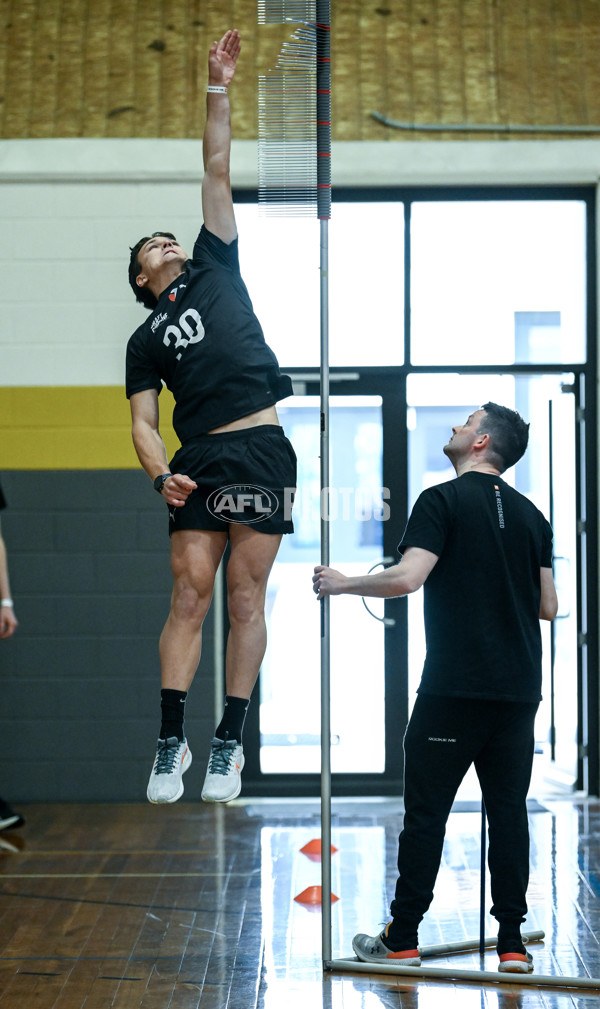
(151, 449)
(399, 580)
(217, 204)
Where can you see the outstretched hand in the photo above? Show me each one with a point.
(222, 58)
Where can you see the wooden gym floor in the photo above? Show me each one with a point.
(193, 905)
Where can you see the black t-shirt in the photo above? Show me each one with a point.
(2, 500)
(482, 598)
(205, 342)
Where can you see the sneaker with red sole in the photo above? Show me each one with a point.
(372, 949)
(516, 963)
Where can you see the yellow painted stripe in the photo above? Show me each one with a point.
(72, 427)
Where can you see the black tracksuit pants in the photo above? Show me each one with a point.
(445, 735)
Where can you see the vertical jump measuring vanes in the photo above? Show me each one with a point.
(294, 158)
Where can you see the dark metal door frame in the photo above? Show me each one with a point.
(383, 382)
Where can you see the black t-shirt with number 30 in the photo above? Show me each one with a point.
(205, 343)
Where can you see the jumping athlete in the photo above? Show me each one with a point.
(484, 554)
(232, 480)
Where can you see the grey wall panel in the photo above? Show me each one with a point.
(80, 681)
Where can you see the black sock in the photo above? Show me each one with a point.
(401, 936)
(172, 706)
(231, 725)
(509, 939)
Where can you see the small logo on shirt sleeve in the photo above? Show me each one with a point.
(499, 506)
(158, 321)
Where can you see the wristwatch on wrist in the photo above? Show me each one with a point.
(160, 481)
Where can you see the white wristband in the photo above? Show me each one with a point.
(213, 89)
(6, 602)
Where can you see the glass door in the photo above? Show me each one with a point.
(290, 725)
(377, 421)
(546, 475)
(283, 741)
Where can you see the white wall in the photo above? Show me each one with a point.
(69, 210)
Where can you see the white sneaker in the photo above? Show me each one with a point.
(223, 778)
(172, 761)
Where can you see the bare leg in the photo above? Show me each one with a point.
(250, 563)
(195, 557)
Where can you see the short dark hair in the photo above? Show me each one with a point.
(508, 433)
(142, 294)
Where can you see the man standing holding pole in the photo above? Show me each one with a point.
(484, 554)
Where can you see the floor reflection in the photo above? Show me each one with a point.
(136, 907)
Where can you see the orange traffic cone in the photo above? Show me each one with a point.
(313, 895)
(312, 849)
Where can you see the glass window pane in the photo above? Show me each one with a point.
(280, 262)
(290, 677)
(498, 282)
(366, 284)
(438, 401)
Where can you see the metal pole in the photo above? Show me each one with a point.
(323, 81)
(325, 609)
(454, 973)
(465, 945)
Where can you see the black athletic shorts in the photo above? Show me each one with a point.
(245, 477)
